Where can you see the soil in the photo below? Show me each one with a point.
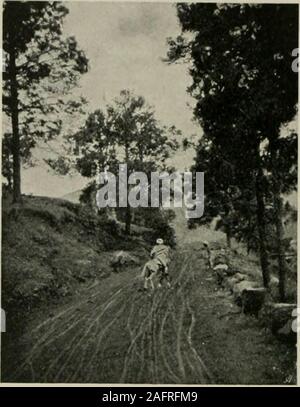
(116, 333)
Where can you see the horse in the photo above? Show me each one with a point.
(150, 270)
(154, 268)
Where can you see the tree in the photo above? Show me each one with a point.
(241, 57)
(230, 196)
(7, 160)
(42, 64)
(127, 132)
(281, 161)
(218, 181)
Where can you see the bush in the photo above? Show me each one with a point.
(161, 229)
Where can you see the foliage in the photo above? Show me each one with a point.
(240, 58)
(43, 67)
(126, 133)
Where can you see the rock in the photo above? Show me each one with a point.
(241, 286)
(216, 255)
(281, 314)
(221, 272)
(229, 283)
(252, 300)
(122, 258)
(221, 266)
(240, 277)
(286, 333)
(231, 272)
(219, 257)
(278, 317)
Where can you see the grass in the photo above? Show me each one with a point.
(51, 246)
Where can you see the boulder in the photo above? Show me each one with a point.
(221, 272)
(281, 321)
(221, 266)
(286, 333)
(220, 275)
(252, 300)
(229, 283)
(219, 257)
(231, 272)
(241, 286)
(216, 256)
(121, 259)
(240, 277)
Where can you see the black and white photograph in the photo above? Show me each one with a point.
(149, 193)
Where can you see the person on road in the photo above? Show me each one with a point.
(161, 253)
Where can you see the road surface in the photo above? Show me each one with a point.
(115, 333)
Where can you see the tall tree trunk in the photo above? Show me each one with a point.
(128, 220)
(279, 243)
(128, 209)
(278, 215)
(9, 175)
(15, 126)
(261, 224)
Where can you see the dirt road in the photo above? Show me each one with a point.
(115, 333)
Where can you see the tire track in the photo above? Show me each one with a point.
(75, 339)
(162, 348)
(142, 329)
(44, 341)
(159, 328)
(194, 351)
(62, 313)
(90, 327)
(170, 305)
(102, 332)
(179, 344)
(183, 357)
(141, 370)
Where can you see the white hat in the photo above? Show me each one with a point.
(159, 241)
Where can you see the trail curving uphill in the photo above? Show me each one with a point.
(127, 336)
(118, 334)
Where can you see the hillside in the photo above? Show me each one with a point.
(107, 330)
(52, 247)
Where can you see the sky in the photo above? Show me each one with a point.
(125, 44)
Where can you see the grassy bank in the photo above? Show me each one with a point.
(50, 247)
